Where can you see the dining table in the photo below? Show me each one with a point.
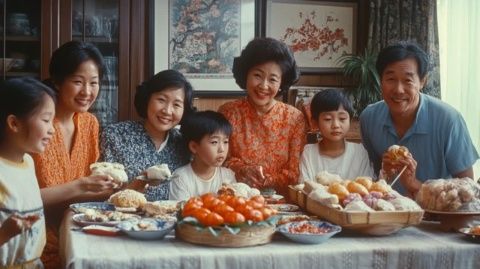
(422, 246)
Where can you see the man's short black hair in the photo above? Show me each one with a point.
(401, 51)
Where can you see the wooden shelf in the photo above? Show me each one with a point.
(98, 39)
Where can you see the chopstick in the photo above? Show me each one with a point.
(398, 176)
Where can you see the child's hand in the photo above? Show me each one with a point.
(15, 224)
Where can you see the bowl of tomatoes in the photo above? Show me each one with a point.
(226, 221)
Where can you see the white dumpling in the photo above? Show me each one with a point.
(160, 172)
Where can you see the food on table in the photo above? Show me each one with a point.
(115, 170)
(160, 208)
(93, 215)
(357, 188)
(458, 194)
(396, 152)
(308, 228)
(360, 194)
(367, 182)
(159, 172)
(475, 230)
(215, 210)
(128, 198)
(238, 189)
(325, 178)
(339, 190)
(292, 218)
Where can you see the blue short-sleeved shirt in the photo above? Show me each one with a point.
(438, 139)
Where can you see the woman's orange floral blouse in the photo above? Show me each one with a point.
(57, 166)
(274, 140)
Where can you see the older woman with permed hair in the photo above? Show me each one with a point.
(163, 102)
(268, 135)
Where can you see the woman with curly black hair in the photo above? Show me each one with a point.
(268, 135)
(163, 102)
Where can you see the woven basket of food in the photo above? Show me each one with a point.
(226, 221)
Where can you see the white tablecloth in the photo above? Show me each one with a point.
(424, 246)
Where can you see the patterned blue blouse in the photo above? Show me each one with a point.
(128, 143)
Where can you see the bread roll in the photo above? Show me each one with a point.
(115, 170)
(396, 152)
(339, 190)
(128, 198)
(357, 188)
(159, 171)
(381, 186)
(325, 178)
(365, 181)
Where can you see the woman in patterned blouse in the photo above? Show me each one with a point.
(268, 135)
(163, 101)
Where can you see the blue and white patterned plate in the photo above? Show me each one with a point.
(327, 230)
(81, 207)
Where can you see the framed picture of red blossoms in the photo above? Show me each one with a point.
(318, 32)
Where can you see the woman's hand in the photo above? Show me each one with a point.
(97, 184)
(252, 175)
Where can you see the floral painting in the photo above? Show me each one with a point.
(204, 36)
(318, 33)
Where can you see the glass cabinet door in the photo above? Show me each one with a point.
(20, 45)
(96, 21)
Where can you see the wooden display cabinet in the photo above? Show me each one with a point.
(32, 29)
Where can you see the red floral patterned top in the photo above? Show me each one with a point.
(273, 140)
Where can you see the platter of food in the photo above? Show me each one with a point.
(98, 217)
(285, 208)
(101, 230)
(361, 205)
(226, 220)
(309, 231)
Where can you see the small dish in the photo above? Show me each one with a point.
(81, 207)
(471, 236)
(146, 229)
(285, 207)
(309, 231)
(101, 230)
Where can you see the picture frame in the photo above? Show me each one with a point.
(203, 51)
(318, 32)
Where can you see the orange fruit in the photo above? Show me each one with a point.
(212, 203)
(237, 201)
(201, 214)
(258, 199)
(266, 212)
(234, 218)
(254, 215)
(207, 196)
(244, 209)
(213, 219)
(255, 204)
(222, 209)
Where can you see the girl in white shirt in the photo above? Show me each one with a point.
(207, 134)
(331, 112)
(27, 110)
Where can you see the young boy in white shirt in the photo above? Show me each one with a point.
(207, 134)
(331, 112)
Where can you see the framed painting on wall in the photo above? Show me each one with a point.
(201, 39)
(318, 32)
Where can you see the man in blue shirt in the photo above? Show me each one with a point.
(434, 132)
